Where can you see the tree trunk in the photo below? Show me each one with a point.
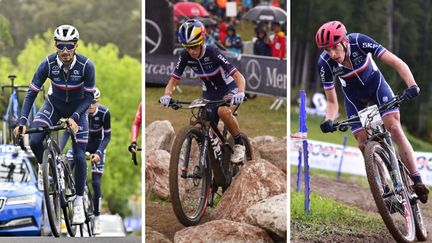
(390, 7)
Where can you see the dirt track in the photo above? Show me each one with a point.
(351, 193)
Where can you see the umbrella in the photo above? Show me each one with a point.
(266, 13)
(189, 9)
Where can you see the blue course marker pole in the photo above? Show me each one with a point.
(303, 132)
(299, 169)
(342, 155)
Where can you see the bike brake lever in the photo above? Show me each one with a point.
(20, 138)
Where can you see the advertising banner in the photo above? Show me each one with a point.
(326, 156)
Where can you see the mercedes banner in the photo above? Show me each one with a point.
(266, 76)
(159, 35)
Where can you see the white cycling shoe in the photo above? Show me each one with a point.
(97, 226)
(40, 178)
(78, 213)
(238, 153)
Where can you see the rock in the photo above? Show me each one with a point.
(270, 214)
(257, 180)
(222, 231)
(157, 172)
(152, 235)
(159, 135)
(261, 140)
(276, 153)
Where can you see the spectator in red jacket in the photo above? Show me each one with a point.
(278, 42)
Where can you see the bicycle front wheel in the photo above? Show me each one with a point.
(189, 182)
(51, 192)
(392, 200)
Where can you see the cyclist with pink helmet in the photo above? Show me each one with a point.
(348, 57)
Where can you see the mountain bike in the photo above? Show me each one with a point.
(11, 116)
(59, 185)
(201, 161)
(389, 180)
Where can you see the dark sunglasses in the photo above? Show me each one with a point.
(192, 47)
(68, 47)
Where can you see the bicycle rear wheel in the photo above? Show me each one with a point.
(51, 192)
(69, 193)
(89, 210)
(189, 182)
(420, 224)
(392, 200)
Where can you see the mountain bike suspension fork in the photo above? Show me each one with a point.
(394, 170)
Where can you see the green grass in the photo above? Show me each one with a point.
(328, 216)
(315, 133)
(255, 117)
(357, 179)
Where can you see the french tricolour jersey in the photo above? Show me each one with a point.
(213, 68)
(361, 48)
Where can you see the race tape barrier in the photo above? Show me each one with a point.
(326, 156)
(264, 75)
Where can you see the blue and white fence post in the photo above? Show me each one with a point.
(342, 155)
(303, 132)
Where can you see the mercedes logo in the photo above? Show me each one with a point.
(153, 36)
(253, 72)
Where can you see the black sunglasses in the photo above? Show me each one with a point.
(68, 47)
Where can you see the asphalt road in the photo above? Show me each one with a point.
(133, 239)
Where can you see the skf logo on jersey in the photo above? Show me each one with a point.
(223, 59)
(76, 72)
(55, 70)
(355, 54)
(322, 74)
(370, 45)
(97, 118)
(206, 59)
(385, 99)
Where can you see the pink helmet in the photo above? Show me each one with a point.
(330, 34)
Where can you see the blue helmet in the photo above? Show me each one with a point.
(191, 33)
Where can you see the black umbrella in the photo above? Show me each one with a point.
(266, 13)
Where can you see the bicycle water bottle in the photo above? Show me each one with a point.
(216, 144)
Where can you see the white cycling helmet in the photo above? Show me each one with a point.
(96, 94)
(66, 33)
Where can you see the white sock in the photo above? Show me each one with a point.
(79, 200)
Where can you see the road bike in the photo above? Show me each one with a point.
(58, 182)
(200, 161)
(389, 180)
(11, 116)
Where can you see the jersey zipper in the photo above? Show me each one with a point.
(202, 68)
(66, 77)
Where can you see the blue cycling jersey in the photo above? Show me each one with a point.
(68, 85)
(213, 68)
(99, 131)
(363, 82)
(361, 48)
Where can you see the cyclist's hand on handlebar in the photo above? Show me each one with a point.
(238, 98)
(327, 126)
(73, 125)
(133, 147)
(165, 100)
(95, 158)
(411, 92)
(17, 132)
